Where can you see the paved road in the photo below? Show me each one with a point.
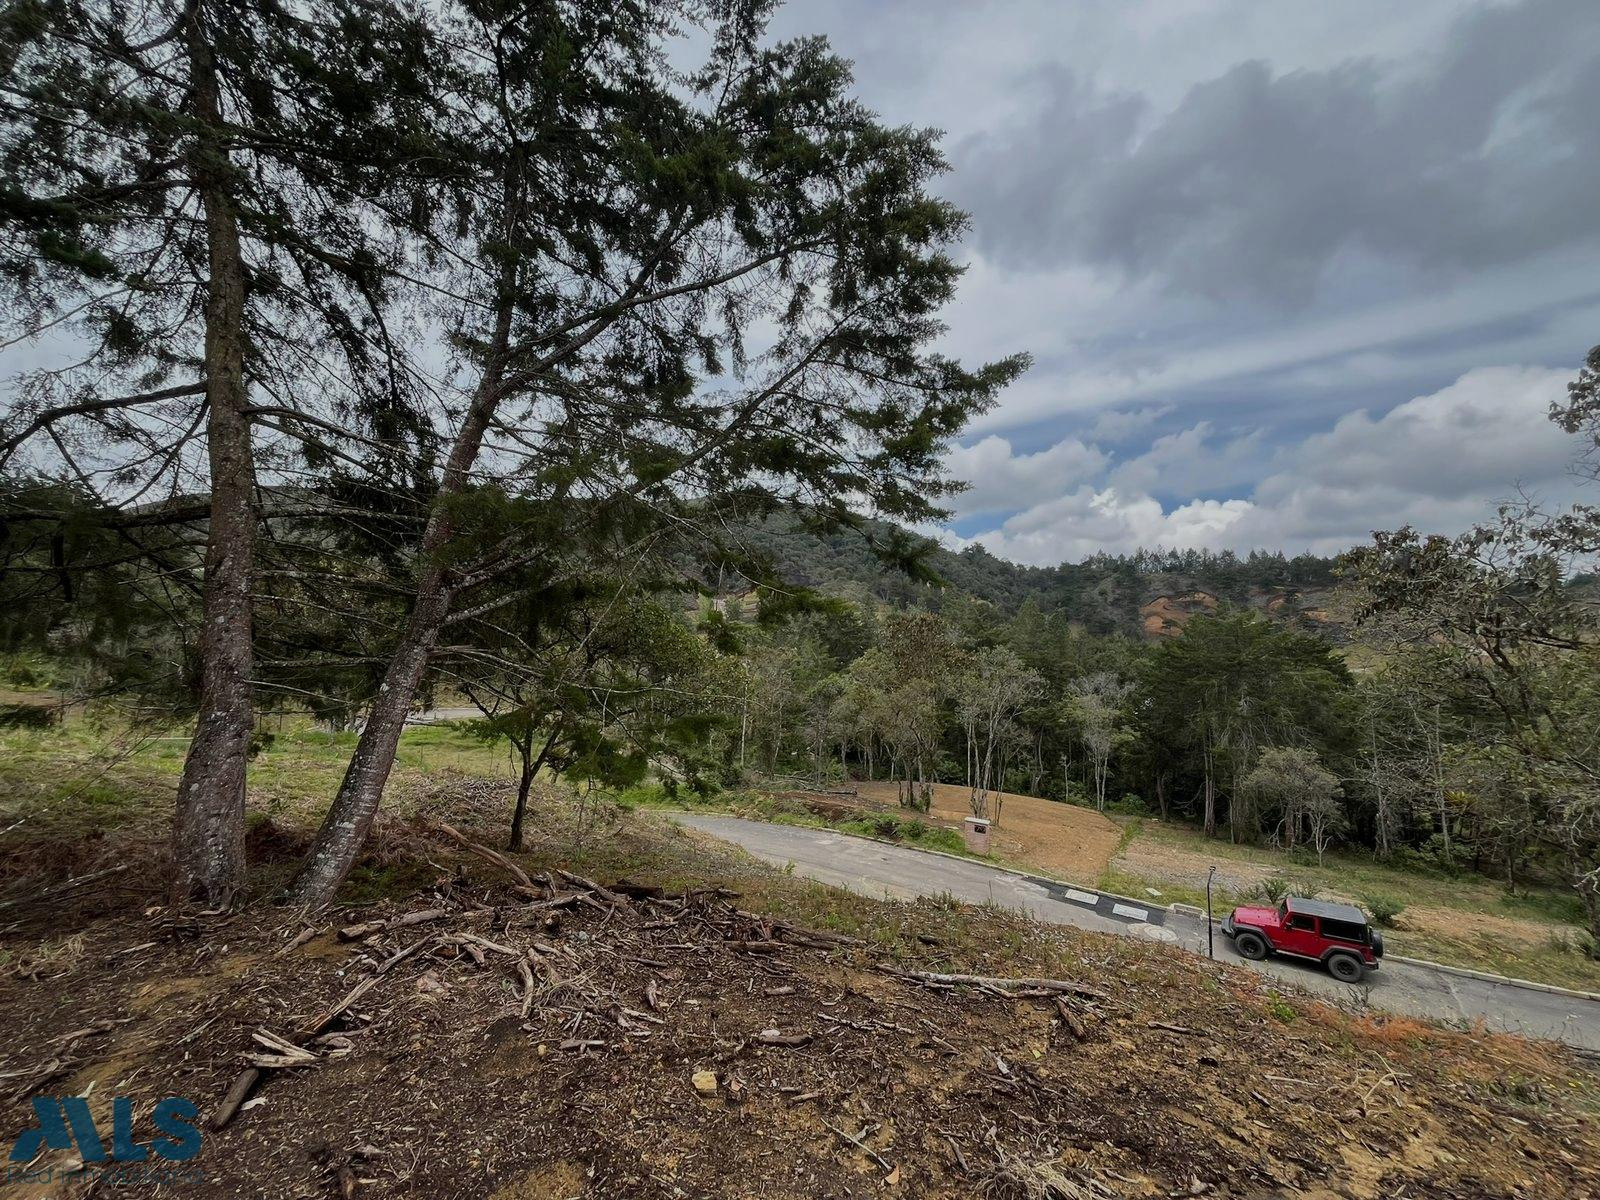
(876, 869)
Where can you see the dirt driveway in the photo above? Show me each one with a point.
(1063, 840)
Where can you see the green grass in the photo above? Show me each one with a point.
(888, 826)
(56, 778)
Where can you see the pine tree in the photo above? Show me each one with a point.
(191, 196)
(627, 231)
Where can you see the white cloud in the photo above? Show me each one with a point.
(1003, 481)
(1439, 461)
(1117, 424)
(1190, 461)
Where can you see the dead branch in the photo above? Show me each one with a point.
(354, 933)
(1001, 983)
(524, 882)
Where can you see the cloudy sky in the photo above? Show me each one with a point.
(1290, 271)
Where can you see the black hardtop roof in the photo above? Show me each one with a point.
(1326, 908)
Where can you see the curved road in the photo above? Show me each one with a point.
(877, 869)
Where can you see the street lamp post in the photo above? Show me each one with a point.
(1211, 948)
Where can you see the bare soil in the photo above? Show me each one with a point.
(836, 1074)
(1062, 840)
(1163, 863)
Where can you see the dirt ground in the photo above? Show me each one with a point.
(1062, 840)
(676, 1044)
(1161, 863)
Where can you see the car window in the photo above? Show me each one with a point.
(1347, 931)
(1302, 921)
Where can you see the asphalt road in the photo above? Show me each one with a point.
(876, 869)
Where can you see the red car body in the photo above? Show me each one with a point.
(1311, 929)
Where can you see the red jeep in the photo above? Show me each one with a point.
(1335, 935)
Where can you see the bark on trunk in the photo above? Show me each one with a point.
(349, 820)
(530, 771)
(208, 825)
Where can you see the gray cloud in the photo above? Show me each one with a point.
(1487, 152)
(1439, 461)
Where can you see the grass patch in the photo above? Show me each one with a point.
(758, 806)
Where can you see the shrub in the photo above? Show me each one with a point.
(1272, 889)
(1383, 909)
(887, 825)
(1129, 806)
(1275, 887)
(28, 716)
(1280, 1009)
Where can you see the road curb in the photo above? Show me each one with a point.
(1188, 910)
(1490, 977)
(1030, 876)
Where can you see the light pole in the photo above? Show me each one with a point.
(1211, 936)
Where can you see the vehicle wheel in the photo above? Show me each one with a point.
(1250, 945)
(1346, 968)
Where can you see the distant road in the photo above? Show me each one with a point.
(876, 869)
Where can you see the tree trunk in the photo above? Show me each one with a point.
(1161, 794)
(208, 824)
(349, 820)
(530, 772)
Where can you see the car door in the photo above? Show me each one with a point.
(1299, 935)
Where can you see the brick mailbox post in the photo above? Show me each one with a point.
(976, 832)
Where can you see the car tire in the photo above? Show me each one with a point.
(1250, 945)
(1346, 968)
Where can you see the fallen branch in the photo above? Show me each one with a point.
(229, 1108)
(524, 882)
(301, 938)
(771, 1037)
(800, 933)
(756, 947)
(284, 1053)
(354, 933)
(321, 1023)
(67, 886)
(590, 885)
(859, 1145)
(526, 974)
(1001, 983)
(1070, 1019)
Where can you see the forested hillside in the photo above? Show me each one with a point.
(1152, 592)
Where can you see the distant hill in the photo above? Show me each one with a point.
(1150, 594)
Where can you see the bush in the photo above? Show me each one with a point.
(1383, 909)
(1275, 887)
(22, 672)
(920, 833)
(1129, 806)
(1272, 890)
(28, 716)
(888, 825)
